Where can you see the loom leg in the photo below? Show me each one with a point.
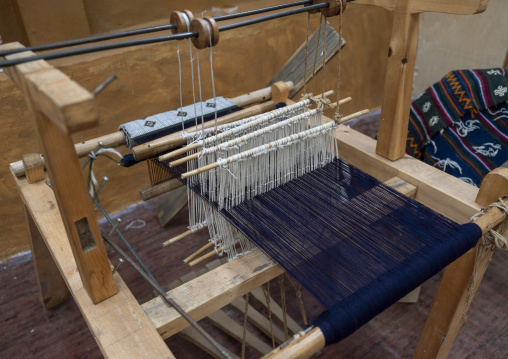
(449, 306)
(52, 288)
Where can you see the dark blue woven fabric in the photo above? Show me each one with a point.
(357, 245)
(354, 243)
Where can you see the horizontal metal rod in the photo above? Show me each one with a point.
(146, 30)
(273, 16)
(90, 39)
(152, 40)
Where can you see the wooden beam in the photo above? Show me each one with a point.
(65, 174)
(391, 142)
(117, 139)
(68, 105)
(449, 306)
(459, 7)
(63, 101)
(52, 288)
(118, 324)
(211, 291)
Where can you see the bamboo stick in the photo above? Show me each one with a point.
(198, 252)
(205, 257)
(177, 238)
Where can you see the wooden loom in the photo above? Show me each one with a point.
(123, 328)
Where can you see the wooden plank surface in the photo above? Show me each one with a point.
(462, 7)
(399, 75)
(211, 291)
(118, 324)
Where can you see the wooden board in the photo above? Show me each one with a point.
(211, 291)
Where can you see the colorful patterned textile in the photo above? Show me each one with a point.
(460, 124)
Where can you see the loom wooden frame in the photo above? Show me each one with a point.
(121, 326)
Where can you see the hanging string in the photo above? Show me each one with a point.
(211, 70)
(298, 290)
(244, 339)
(324, 60)
(490, 240)
(304, 93)
(316, 54)
(337, 117)
(187, 24)
(200, 96)
(180, 78)
(283, 305)
(266, 292)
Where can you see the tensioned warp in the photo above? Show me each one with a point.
(356, 244)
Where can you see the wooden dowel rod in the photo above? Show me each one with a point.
(301, 348)
(326, 94)
(175, 139)
(195, 145)
(211, 166)
(257, 96)
(179, 151)
(184, 160)
(117, 139)
(199, 170)
(204, 258)
(354, 115)
(177, 238)
(160, 188)
(82, 149)
(198, 252)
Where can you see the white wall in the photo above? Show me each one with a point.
(455, 42)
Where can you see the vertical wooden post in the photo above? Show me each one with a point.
(393, 126)
(446, 314)
(52, 288)
(60, 106)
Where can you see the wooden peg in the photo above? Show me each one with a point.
(182, 19)
(209, 255)
(280, 92)
(333, 9)
(207, 29)
(198, 252)
(34, 167)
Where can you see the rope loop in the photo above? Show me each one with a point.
(306, 96)
(321, 103)
(494, 238)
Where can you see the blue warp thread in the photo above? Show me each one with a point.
(354, 243)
